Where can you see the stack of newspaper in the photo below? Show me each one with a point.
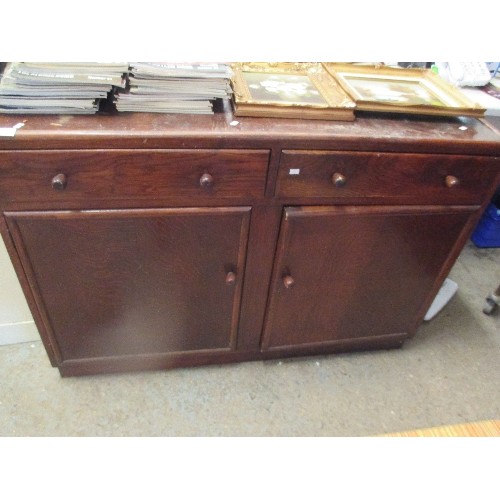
(58, 88)
(189, 88)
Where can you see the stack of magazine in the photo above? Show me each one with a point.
(189, 88)
(58, 88)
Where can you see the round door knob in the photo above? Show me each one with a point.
(206, 180)
(451, 181)
(59, 182)
(230, 278)
(288, 281)
(338, 179)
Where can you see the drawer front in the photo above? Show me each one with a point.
(131, 174)
(413, 178)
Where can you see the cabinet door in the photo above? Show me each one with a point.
(132, 282)
(356, 272)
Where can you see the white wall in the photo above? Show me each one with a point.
(16, 322)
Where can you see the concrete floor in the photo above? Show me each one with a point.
(448, 373)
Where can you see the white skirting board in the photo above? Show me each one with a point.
(16, 321)
(16, 333)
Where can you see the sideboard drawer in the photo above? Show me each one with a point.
(131, 174)
(412, 178)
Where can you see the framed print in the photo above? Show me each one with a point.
(399, 90)
(293, 90)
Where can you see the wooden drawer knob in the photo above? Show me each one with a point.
(59, 182)
(451, 181)
(288, 281)
(206, 180)
(230, 278)
(338, 179)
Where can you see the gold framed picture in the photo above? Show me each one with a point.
(399, 90)
(289, 90)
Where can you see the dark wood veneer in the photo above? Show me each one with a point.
(76, 176)
(116, 283)
(386, 177)
(370, 132)
(157, 241)
(350, 272)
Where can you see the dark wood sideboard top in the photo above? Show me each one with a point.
(112, 130)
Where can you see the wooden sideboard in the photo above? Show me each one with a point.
(156, 241)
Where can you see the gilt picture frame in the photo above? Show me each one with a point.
(400, 90)
(293, 90)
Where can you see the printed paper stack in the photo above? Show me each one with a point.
(189, 88)
(58, 88)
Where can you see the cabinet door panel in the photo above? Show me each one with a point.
(356, 272)
(128, 282)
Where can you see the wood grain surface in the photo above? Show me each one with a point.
(116, 283)
(149, 241)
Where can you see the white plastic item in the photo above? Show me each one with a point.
(464, 74)
(448, 289)
(488, 102)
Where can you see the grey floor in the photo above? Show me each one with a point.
(448, 373)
